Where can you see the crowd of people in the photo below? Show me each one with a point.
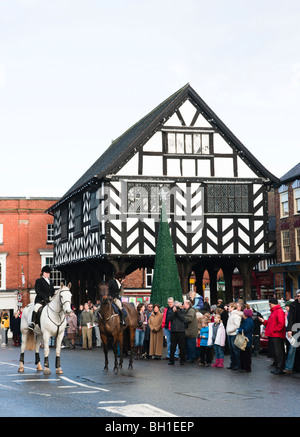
(196, 332)
(192, 332)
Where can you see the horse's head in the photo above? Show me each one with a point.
(65, 297)
(106, 300)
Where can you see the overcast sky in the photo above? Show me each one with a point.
(75, 74)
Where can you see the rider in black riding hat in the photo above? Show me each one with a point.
(115, 289)
(44, 291)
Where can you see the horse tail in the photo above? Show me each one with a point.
(30, 341)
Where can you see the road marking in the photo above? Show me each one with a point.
(84, 392)
(7, 386)
(83, 385)
(41, 394)
(112, 402)
(35, 380)
(138, 410)
(17, 365)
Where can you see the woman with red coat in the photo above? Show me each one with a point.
(276, 331)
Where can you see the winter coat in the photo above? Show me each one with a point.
(191, 323)
(220, 337)
(166, 323)
(86, 317)
(5, 321)
(72, 322)
(43, 290)
(233, 322)
(247, 326)
(177, 320)
(156, 334)
(275, 325)
(293, 316)
(198, 302)
(204, 332)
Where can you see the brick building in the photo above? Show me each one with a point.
(26, 244)
(287, 211)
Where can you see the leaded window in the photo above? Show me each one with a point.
(227, 198)
(94, 203)
(147, 198)
(78, 216)
(64, 222)
(188, 143)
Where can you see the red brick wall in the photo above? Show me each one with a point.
(286, 223)
(24, 234)
(135, 280)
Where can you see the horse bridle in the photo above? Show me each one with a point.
(60, 299)
(58, 312)
(111, 316)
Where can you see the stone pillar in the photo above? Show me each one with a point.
(245, 267)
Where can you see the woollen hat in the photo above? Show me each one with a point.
(273, 300)
(248, 312)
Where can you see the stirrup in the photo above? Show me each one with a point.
(31, 326)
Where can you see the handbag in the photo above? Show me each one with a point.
(241, 341)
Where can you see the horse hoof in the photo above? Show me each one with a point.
(47, 371)
(105, 370)
(130, 367)
(59, 371)
(21, 369)
(39, 368)
(116, 371)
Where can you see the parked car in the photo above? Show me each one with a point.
(263, 305)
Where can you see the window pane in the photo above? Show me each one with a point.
(171, 143)
(180, 143)
(205, 144)
(188, 143)
(197, 143)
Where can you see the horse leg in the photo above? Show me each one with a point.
(39, 367)
(46, 338)
(115, 349)
(120, 340)
(132, 339)
(58, 349)
(23, 347)
(105, 349)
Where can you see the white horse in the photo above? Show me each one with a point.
(52, 324)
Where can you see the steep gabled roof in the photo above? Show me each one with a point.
(123, 146)
(291, 175)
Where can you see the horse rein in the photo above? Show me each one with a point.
(58, 312)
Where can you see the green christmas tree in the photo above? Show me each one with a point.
(166, 281)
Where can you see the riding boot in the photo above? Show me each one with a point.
(122, 318)
(33, 320)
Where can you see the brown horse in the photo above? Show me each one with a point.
(109, 324)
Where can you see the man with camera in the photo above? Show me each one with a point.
(177, 332)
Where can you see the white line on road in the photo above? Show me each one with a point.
(112, 402)
(83, 385)
(138, 410)
(35, 380)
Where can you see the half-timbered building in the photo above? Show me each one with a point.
(214, 189)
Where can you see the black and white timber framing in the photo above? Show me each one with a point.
(215, 192)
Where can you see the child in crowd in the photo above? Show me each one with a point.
(205, 350)
(216, 337)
